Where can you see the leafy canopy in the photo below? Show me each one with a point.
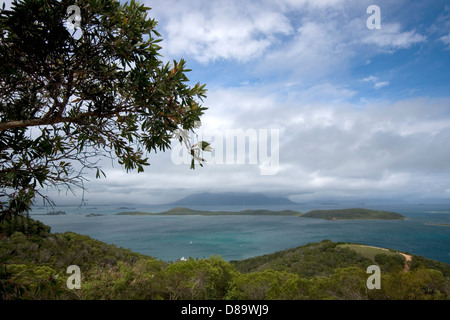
(66, 102)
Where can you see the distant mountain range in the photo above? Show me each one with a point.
(231, 199)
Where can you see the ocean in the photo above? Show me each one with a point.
(170, 238)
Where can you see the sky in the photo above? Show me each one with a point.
(345, 111)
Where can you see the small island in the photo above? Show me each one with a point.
(354, 213)
(51, 213)
(55, 213)
(93, 215)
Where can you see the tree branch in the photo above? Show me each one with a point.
(58, 119)
(43, 121)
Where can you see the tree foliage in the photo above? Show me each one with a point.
(264, 285)
(315, 259)
(390, 262)
(66, 102)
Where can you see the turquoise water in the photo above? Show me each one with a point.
(238, 237)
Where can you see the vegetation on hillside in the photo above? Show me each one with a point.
(34, 261)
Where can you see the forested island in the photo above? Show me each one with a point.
(51, 213)
(93, 215)
(34, 261)
(354, 213)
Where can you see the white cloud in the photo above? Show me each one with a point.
(212, 30)
(446, 40)
(376, 84)
(390, 37)
(320, 4)
(304, 40)
(328, 41)
(381, 84)
(370, 78)
(316, 49)
(327, 146)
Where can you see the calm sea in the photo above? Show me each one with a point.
(237, 237)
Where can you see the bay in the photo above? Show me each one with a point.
(238, 237)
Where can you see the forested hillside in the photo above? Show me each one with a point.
(33, 264)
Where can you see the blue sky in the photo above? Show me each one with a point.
(411, 61)
(361, 113)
